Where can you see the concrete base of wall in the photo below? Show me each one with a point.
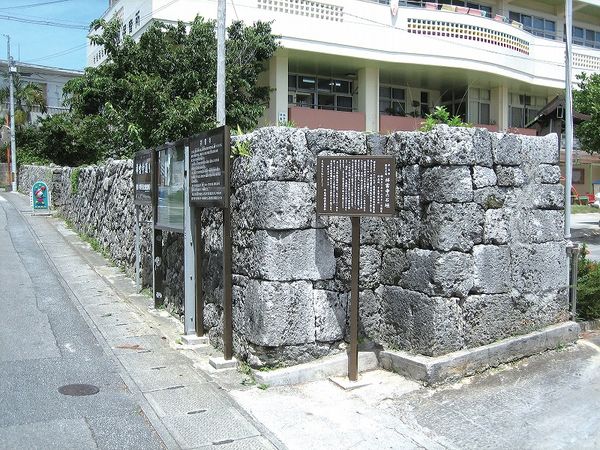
(429, 370)
(456, 365)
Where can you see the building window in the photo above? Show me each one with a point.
(479, 106)
(523, 109)
(392, 100)
(487, 10)
(131, 26)
(137, 19)
(583, 36)
(321, 93)
(425, 104)
(124, 31)
(537, 26)
(578, 176)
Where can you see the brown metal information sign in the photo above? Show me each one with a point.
(356, 185)
(209, 162)
(142, 177)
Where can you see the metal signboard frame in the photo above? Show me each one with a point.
(168, 174)
(356, 186)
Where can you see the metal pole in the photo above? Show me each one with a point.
(568, 118)
(198, 269)
(138, 286)
(13, 146)
(353, 355)
(227, 252)
(221, 62)
(189, 253)
(573, 285)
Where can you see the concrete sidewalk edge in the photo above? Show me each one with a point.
(456, 365)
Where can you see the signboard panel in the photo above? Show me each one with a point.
(142, 177)
(170, 176)
(356, 185)
(40, 197)
(209, 163)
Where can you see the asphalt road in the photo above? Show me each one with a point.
(585, 229)
(45, 343)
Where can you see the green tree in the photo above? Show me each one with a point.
(586, 100)
(27, 96)
(162, 88)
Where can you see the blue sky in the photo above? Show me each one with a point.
(43, 44)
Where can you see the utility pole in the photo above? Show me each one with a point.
(568, 117)
(11, 89)
(221, 62)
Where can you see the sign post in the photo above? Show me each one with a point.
(209, 187)
(356, 186)
(40, 198)
(142, 195)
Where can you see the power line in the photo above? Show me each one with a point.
(44, 22)
(33, 5)
(57, 54)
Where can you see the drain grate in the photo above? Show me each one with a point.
(78, 390)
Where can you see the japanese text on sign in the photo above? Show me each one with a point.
(356, 185)
(208, 159)
(142, 177)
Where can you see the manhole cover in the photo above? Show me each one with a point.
(78, 389)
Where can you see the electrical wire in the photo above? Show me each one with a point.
(43, 22)
(33, 5)
(57, 54)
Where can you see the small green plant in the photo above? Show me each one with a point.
(286, 123)
(588, 287)
(75, 180)
(178, 341)
(440, 115)
(240, 148)
(245, 369)
(263, 386)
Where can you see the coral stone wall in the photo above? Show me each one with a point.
(474, 254)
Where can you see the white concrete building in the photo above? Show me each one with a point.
(50, 79)
(366, 65)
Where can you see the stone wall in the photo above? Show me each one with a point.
(474, 254)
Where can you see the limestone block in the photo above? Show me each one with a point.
(488, 318)
(491, 269)
(496, 226)
(543, 308)
(455, 226)
(411, 180)
(278, 154)
(541, 149)
(419, 323)
(548, 196)
(483, 177)
(404, 229)
(406, 146)
(376, 144)
(393, 265)
(278, 313)
(509, 151)
(491, 197)
(435, 273)
(510, 176)
(547, 174)
(288, 255)
(370, 264)
(447, 184)
(538, 226)
(274, 205)
(330, 315)
(446, 145)
(484, 144)
(350, 142)
(538, 267)
(370, 319)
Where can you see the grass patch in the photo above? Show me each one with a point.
(583, 209)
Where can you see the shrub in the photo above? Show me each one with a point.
(588, 287)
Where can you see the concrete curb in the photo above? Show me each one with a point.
(589, 325)
(453, 366)
(331, 366)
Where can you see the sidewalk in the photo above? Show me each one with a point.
(546, 401)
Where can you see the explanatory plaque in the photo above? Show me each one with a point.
(356, 185)
(209, 153)
(142, 177)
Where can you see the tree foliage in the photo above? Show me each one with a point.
(27, 96)
(159, 89)
(586, 100)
